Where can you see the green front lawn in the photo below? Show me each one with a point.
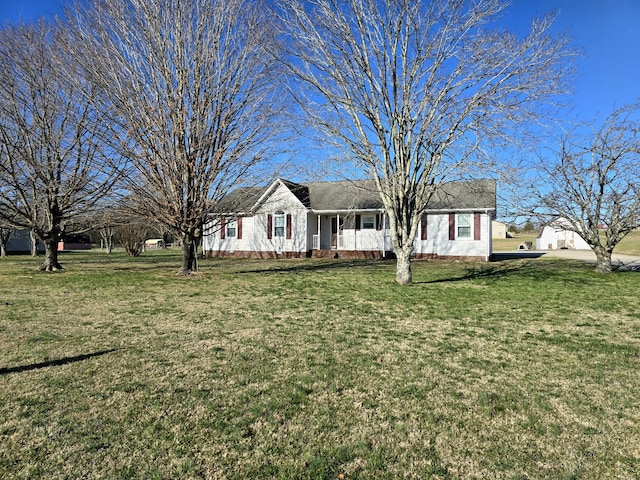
(116, 368)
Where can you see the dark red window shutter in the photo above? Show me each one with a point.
(476, 226)
(423, 228)
(223, 228)
(239, 231)
(358, 222)
(288, 226)
(269, 226)
(452, 226)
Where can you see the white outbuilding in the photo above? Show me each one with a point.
(556, 236)
(498, 229)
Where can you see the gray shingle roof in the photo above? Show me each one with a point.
(240, 200)
(362, 195)
(476, 194)
(346, 195)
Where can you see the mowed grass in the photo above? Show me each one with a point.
(512, 243)
(116, 368)
(630, 244)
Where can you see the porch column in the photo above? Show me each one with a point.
(338, 232)
(384, 234)
(319, 236)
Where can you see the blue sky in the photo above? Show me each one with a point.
(606, 31)
(12, 10)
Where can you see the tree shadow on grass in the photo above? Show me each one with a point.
(55, 363)
(473, 273)
(517, 267)
(620, 266)
(306, 265)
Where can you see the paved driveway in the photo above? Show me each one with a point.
(619, 261)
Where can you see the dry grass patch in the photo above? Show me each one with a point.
(318, 369)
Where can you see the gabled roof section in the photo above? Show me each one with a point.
(301, 192)
(298, 190)
(363, 195)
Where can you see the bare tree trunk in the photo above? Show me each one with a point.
(403, 266)
(50, 263)
(34, 243)
(5, 234)
(189, 254)
(106, 234)
(55, 165)
(603, 260)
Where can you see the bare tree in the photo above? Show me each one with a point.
(106, 220)
(131, 234)
(412, 90)
(33, 243)
(194, 102)
(594, 185)
(53, 164)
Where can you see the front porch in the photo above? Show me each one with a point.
(349, 235)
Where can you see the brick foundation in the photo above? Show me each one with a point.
(462, 258)
(337, 254)
(352, 254)
(255, 255)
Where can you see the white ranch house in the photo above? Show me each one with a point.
(347, 220)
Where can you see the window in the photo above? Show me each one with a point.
(368, 222)
(464, 226)
(278, 224)
(232, 229)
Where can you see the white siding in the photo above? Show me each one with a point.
(498, 229)
(254, 228)
(438, 243)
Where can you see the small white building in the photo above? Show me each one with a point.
(498, 229)
(347, 220)
(556, 236)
